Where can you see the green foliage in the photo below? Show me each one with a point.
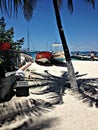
(5, 35)
(8, 35)
(11, 57)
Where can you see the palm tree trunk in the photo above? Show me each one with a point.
(70, 68)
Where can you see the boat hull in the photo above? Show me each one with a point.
(43, 57)
(83, 57)
(58, 57)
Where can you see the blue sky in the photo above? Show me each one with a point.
(80, 28)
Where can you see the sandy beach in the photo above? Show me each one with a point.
(51, 104)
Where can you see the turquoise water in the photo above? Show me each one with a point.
(33, 54)
(82, 53)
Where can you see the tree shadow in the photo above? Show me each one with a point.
(51, 63)
(40, 125)
(8, 97)
(56, 85)
(88, 88)
(81, 75)
(11, 112)
(28, 108)
(19, 108)
(44, 64)
(62, 64)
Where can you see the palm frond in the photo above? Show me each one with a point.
(3, 6)
(28, 7)
(16, 3)
(11, 7)
(91, 2)
(70, 5)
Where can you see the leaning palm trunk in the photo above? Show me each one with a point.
(71, 73)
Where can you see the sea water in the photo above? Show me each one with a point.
(84, 53)
(33, 53)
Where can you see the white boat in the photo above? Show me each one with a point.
(84, 57)
(58, 56)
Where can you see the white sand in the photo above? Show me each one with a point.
(89, 67)
(73, 114)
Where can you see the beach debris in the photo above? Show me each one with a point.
(20, 74)
(27, 57)
(23, 68)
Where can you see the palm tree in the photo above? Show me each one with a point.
(27, 7)
(57, 4)
(72, 78)
(11, 7)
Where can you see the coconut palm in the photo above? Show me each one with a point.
(70, 68)
(57, 4)
(27, 6)
(11, 7)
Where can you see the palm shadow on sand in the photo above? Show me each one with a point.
(88, 88)
(51, 63)
(30, 108)
(55, 86)
(14, 110)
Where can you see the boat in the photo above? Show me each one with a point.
(58, 54)
(43, 57)
(83, 57)
(58, 57)
(25, 57)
